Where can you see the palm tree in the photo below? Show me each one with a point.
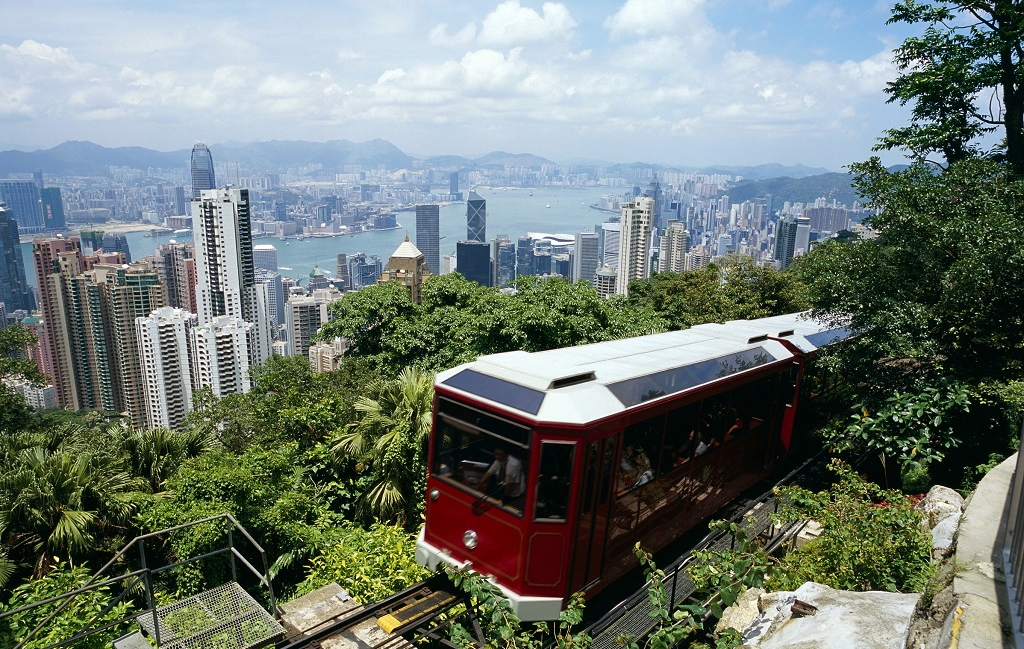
(389, 439)
(53, 501)
(154, 454)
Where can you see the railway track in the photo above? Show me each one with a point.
(631, 617)
(427, 609)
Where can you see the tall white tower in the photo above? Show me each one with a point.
(164, 339)
(225, 270)
(672, 248)
(634, 243)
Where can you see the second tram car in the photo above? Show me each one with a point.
(547, 467)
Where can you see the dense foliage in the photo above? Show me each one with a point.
(937, 300)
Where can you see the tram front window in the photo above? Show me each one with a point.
(482, 453)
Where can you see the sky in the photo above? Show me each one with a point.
(679, 82)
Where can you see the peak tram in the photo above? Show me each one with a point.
(547, 467)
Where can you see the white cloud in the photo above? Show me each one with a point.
(349, 54)
(645, 17)
(512, 23)
(439, 36)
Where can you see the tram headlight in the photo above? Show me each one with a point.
(470, 539)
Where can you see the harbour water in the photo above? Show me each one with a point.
(509, 211)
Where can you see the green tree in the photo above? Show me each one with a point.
(937, 301)
(87, 609)
(14, 363)
(55, 502)
(734, 289)
(388, 440)
(964, 76)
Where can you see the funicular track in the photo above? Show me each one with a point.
(423, 611)
(427, 609)
(631, 617)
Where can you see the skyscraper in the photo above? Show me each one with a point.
(407, 266)
(524, 257)
(672, 247)
(14, 290)
(226, 274)
(343, 281)
(634, 243)
(165, 340)
(170, 262)
(203, 177)
(304, 315)
(23, 199)
(476, 217)
(428, 224)
(474, 261)
(53, 208)
(56, 354)
(654, 192)
(586, 257)
(504, 260)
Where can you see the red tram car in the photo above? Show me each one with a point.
(547, 467)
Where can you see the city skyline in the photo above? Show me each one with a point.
(723, 83)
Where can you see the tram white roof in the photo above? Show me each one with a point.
(577, 385)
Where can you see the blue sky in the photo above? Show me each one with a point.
(688, 82)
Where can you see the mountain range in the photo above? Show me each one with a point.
(793, 182)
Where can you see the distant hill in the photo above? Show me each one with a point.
(768, 171)
(86, 158)
(447, 161)
(504, 159)
(796, 190)
(277, 155)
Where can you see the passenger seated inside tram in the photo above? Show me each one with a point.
(509, 482)
(635, 469)
(706, 435)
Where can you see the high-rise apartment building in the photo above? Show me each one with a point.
(180, 205)
(53, 208)
(342, 278)
(503, 256)
(792, 238)
(672, 247)
(364, 269)
(304, 315)
(605, 280)
(476, 217)
(274, 284)
(611, 233)
(634, 243)
(225, 272)
(14, 290)
(90, 310)
(23, 199)
(327, 356)
(203, 177)
(56, 352)
(428, 232)
(586, 257)
(177, 274)
(474, 261)
(220, 355)
(408, 267)
(264, 255)
(165, 340)
(524, 257)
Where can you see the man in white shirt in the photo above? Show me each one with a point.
(510, 483)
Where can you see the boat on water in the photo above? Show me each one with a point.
(547, 206)
(182, 231)
(159, 232)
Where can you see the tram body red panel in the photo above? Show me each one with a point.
(606, 454)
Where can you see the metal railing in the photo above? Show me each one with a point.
(1014, 541)
(143, 576)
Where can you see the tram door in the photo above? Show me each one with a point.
(595, 503)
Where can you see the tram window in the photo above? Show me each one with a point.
(553, 480)
(641, 452)
(762, 396)
(478, 460)
(716, 419)
(681, 436)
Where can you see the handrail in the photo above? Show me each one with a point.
(1014, 540)
(147, 573)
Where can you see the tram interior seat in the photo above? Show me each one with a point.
(472, 472)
